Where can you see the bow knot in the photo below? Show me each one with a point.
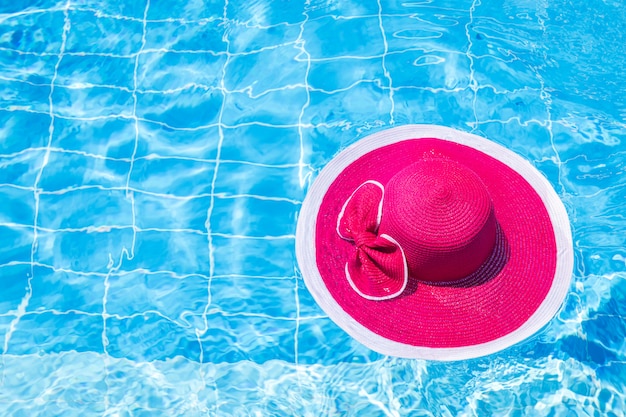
(364, 239)
(379, 270)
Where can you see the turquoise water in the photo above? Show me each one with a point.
(154, 157)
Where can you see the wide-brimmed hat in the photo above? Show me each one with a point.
(427, 242)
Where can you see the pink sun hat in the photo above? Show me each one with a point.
(426, 242)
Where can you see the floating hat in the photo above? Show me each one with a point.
(427, 242)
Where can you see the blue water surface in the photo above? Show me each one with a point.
(154, 157)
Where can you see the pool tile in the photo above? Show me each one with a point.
(96, 70)
(111, 137)
(436, 34)
(74, 380)
(613, 374)
(266, 182)
(322, 143)
(243, 38)
(336, 38)
(157, 139)
(307, 306)
(16, 244)
(429, 69)
(115, 9)
(91, 102)
(22, 169)
(35, 69)
(167, 388)
(596, 238)
(64, 291)
(256, 257)
(320, 341)
(531, 141)
(452, 109)
(357, 106)
(253, 217)
(107, 35)
(48, 332)
(248, 380)
(248, 338)
(243, 70)
(14, 289)
(5, 325)
(96, 252)
(525, 105)
(67, 170)
(36, 32)
(18, 207)
(82, 208)
(594, 138)
(342, 73)
(172, 176)
(595, 179)
(188, 10)
(22, 130)
(279, 108)
(159, 212)
(262, 296)
(347, 8)
(201, 69)
(587, 260)
(266, 14)
(201, 36)
(60, 401)
(182, 253)
(280, 145)
(505, 34)
(150, 337)
(176, 299)
(24, 96)
(12, 7)
(504, 75)
(191, 108)
(440, 8)
(595, 328)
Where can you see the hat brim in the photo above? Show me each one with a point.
(529, 276)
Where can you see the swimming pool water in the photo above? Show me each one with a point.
(154, 157)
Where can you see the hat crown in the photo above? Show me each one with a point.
(441, 214)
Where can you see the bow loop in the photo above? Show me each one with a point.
(361, 213)
(379, 269)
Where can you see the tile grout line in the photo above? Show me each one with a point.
(301, 42)
(385, 70)
(21, 309)
(473, 84)
(547, 100)
(210, 248)
(220, 196)
(117, 273)
(129, 195)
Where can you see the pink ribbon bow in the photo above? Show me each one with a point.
(379, 269)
